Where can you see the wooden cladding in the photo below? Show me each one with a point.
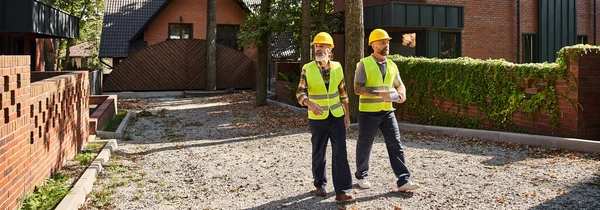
(557, 27)
(402, 14)
(180, 65)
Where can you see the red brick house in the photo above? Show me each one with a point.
(519, 31)
(160, 45)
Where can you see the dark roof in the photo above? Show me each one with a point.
(122, 19)
(126, 20)
(81, 50)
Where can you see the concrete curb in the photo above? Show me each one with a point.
(154, 94)
(159, 94)
(497, 136)
(83, 186)
(118, 134)
(287, 106)
(518, 138)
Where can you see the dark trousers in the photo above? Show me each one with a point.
(368, 123)
(331, 128)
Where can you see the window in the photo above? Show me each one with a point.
(227, 35)
(84, 62)
(449, 45)
(529, 48)
(180, 31)
(582, 39)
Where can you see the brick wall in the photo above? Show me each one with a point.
(575, 123)
(42, 124)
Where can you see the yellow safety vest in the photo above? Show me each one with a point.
(375, 82)
(329, 100)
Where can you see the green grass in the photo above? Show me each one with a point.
(94, 146)
(49, 195)
(85, 158)
(113, 124)
(101, 198)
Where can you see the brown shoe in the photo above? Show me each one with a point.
(344, 197)
(320, 192)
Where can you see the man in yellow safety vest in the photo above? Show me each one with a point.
(323, 90)
(378, 84)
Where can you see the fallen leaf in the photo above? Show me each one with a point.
(397, 208)
(560, 192)
(501, 201)
(552, 176)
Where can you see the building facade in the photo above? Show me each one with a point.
(520, 31)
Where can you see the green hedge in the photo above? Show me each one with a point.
(490, 85)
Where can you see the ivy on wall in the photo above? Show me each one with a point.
(496, 87)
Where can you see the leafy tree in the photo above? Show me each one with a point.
(285, 18)
(278, 17)
(90, 13)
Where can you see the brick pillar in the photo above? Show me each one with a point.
(586, 69)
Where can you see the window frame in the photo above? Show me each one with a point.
(228, 41)
(533, 47)
(584, 37)
(458, 43)
(191, 29)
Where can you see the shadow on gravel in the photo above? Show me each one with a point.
(303, 201)
(583, 196)
(211, 121)
(500, 155)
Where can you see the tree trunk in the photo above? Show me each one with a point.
(305, 39)
(67, 64)
(322, 12)
(57, 43)
(211, 45)
(263, 51)
(354, 42)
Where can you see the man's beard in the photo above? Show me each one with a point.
(320, 57)
(384, 51)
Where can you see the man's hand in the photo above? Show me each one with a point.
(316, 109)
(402, 98)
(347, 121)
(385, 96)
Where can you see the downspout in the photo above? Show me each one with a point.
(518, 31)
(595, 18)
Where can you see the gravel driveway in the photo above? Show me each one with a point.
(223, 152)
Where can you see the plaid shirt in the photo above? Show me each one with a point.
(302, 92)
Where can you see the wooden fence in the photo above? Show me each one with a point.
(180, 65)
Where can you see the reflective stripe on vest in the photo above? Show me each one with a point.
(375, 82)
(327, 99)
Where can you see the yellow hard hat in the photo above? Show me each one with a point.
(378, 34)
(323, 38)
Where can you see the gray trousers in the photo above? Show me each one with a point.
(368, 123)
(322, 130)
